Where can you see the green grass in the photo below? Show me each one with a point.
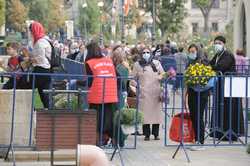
(37, 101)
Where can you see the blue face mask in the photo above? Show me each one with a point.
(192, 56)
(146, 56)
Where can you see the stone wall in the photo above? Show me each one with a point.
(22, 116)
(238, 25)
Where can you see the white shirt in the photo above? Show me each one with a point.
(42, 52)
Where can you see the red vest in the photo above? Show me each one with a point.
(102, 67)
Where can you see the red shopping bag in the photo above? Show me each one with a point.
(176, 134)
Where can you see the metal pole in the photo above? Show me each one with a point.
(84, 5)
(101, 30)
(154, 22)
(122, 24)
(85, 30)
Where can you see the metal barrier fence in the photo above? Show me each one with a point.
(219, 113)
(81, 90)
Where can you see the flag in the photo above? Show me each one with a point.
(127, 4)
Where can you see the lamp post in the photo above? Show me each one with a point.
(100, 4)
(85, 5)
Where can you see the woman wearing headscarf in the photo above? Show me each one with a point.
(149, 72)
(40, 58)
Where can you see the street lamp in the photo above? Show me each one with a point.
(100, 4)
(85, 5)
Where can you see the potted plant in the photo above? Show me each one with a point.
(128, 119)
(200, 77)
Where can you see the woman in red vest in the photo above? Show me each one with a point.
(102, 84)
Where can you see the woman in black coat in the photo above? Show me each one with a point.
(196, 100)
(224, 63)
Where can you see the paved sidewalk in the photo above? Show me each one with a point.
(153, 153)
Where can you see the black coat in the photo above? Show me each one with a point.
(225, 62)
(221, 114)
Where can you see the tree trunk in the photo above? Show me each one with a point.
(206, 24)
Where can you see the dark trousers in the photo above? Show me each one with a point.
(197, 103)
(42, 82)
(221, 115)
(146, 130)
(9, 84)
(107, 121)
(21, 83)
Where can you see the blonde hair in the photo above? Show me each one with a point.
(119, 56)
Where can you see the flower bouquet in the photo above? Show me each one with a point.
(199, 76)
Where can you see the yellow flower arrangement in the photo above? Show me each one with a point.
(198, 74)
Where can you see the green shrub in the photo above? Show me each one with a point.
(128, 116)
(248, 148)
(61, 102)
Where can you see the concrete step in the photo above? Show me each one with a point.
(59, 155)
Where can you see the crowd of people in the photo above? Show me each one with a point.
(147, 63)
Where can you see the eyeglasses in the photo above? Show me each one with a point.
(146, 52)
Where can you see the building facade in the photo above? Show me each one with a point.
(220, 16)
(242, 26)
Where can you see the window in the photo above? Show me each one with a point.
(195, 27)
(215, 5)
(215, 27)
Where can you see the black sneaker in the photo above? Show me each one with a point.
(146, 138)
(157, 138)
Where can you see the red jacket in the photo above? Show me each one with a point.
(102, 67)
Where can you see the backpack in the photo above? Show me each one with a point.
(55, 60)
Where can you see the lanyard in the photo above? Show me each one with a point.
(218, 57)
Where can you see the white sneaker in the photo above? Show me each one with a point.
(197, 148)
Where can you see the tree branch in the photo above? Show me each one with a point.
(211, 5)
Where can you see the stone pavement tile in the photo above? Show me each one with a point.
(153, 153)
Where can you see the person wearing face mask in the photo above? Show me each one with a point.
(224, 62)
(194, 56)
(74, 51)
(149, 72)
(191, 101)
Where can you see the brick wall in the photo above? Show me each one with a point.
(71, 128)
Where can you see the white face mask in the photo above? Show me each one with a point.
(146, 56)
(218, 48)
(192, 56)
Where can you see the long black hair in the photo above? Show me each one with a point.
(94, 51)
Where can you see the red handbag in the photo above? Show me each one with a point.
(176, 134)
